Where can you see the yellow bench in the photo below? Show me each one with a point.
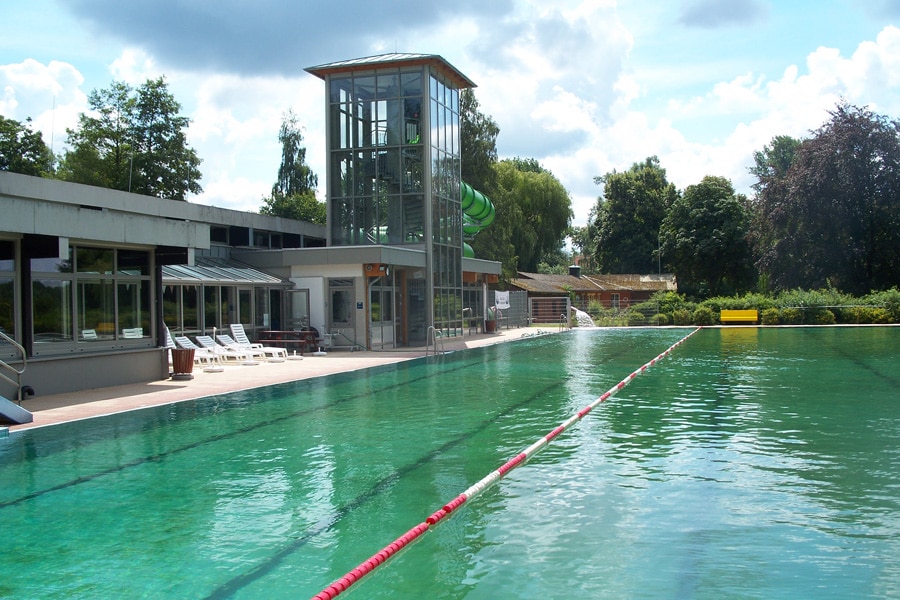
(738, 316)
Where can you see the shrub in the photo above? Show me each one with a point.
(881, 316)
(769, 316)
(867, 314)
(704, 316)
(636, 318)
(660, 319)
(889, 300)
(681, 317)
(791, 316)
(823, 316)
(669, 302)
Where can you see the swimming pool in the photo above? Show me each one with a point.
(750, 463)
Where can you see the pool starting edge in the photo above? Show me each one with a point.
(369, 565)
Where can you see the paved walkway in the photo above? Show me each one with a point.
(59, 408)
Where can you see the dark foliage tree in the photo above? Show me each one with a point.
(627, 218)
(23, 150)
(536, 212)
(133, 140)
(294, 193)
(478, 143)
(771, 165)
(704, 240)
(834, 220)
(478, 157)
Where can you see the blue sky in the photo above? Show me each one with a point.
(585, 87)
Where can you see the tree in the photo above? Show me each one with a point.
(582, 239)
(835, 219)
(478, 144)
(133, 140)
(771, 166)
(294, 193)
(23, 150)
(628, 215)
(536, 212)
(704, 239)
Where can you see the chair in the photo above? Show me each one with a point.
(241, 339)
(133, 333)
(89, 334)
(268, 352)
(200, 354)
(241, 354)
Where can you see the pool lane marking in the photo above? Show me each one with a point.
(231, 587)
(308, 384)
(341, 584)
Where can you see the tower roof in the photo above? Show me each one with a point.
(393, 59)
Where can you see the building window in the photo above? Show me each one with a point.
(614, 301)
(7, 290)
(94, 298)
(376, 158)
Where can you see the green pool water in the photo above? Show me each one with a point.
(750, 463)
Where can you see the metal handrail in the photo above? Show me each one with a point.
(563, 322)
(433, 335)
(11, 371)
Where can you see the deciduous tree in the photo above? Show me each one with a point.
(628, 215)
(294, 193)
(835, 220)
(133, 140)
(23, 150)
(704, 239)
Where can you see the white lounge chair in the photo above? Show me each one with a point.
(200, 354)
(241, 354)
(241, 340)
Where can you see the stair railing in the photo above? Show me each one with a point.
(8, 372)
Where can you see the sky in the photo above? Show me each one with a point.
(585, 87)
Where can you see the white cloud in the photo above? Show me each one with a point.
(49, 94)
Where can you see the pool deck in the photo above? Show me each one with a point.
(59, 408)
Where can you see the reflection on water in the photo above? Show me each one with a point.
(749, 463)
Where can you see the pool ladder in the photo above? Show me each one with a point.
(563, 322)
(432, 337)
(10, 374)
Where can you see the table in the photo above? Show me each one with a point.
(292, 340)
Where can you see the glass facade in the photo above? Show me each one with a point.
(394, 179)
(376, 186)
(7, 292)
(445, 202)
(93, 299)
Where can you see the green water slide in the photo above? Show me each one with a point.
(478, 213)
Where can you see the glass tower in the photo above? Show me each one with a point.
(394, 172)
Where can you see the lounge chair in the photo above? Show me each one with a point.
(241, 354)
(200, 354)
(241, 340)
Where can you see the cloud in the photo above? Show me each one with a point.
(709, 14)
(272, 36)
(49, 94)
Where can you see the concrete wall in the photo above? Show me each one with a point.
(73, 373)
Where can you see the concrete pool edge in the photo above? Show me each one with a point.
(62, 408)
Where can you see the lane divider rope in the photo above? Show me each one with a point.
(342, 584)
